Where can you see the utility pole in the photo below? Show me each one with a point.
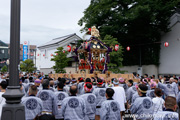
(13, 109)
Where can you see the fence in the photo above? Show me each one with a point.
(125, 76)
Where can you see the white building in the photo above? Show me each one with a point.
(43, 60)
(170, 56)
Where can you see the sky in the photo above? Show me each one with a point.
(43, 20)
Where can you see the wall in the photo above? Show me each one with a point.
(170, 56)
(46, 70)
(45, 61)
(149, 69)
(38, 58)
(68, 69)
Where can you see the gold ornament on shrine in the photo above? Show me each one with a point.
(94, 32)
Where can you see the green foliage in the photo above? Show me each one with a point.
(61, 60)
(4, 69)
(115, 56)
(135, 23)
(79, 43)
(27, 66)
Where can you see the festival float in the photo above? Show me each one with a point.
(93, 57)
(93, 54)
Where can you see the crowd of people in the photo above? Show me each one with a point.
(95, 98)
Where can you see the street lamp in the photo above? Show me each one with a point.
(13, 109)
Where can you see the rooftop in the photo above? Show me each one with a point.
(57, 40)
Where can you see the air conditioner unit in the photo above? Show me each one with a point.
(140, 71)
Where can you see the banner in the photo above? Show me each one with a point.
(25, 51)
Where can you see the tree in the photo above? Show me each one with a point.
(61, 60)
(27, 66)
(115, 56)
(4, 68)
(135, 23)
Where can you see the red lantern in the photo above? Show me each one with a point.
(69, 48)
(89, 29)
(43, 54)
(128, 48)
(63, 51)
(103, 60)
(37, 54)
(51, 54)
(56, 53)
(116, 47)
(166, 44)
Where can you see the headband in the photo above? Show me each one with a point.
(37, 81)
(81, 79)
(141, 90)
(121, 80)
(86, 88)
(73, 80)
(100, 83)
(88, 82)
(144, 81)
(116, 83)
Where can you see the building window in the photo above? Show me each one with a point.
(32, 50)
(1, 51)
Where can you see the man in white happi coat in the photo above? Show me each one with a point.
(99, 92)
(50, 107)
(169, 113)
(33, 105)
(73, 107)
(60, 95)
(110, 109)
(90, 100)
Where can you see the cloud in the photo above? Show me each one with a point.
(38, 35)
(43, 20)
(4, 28)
